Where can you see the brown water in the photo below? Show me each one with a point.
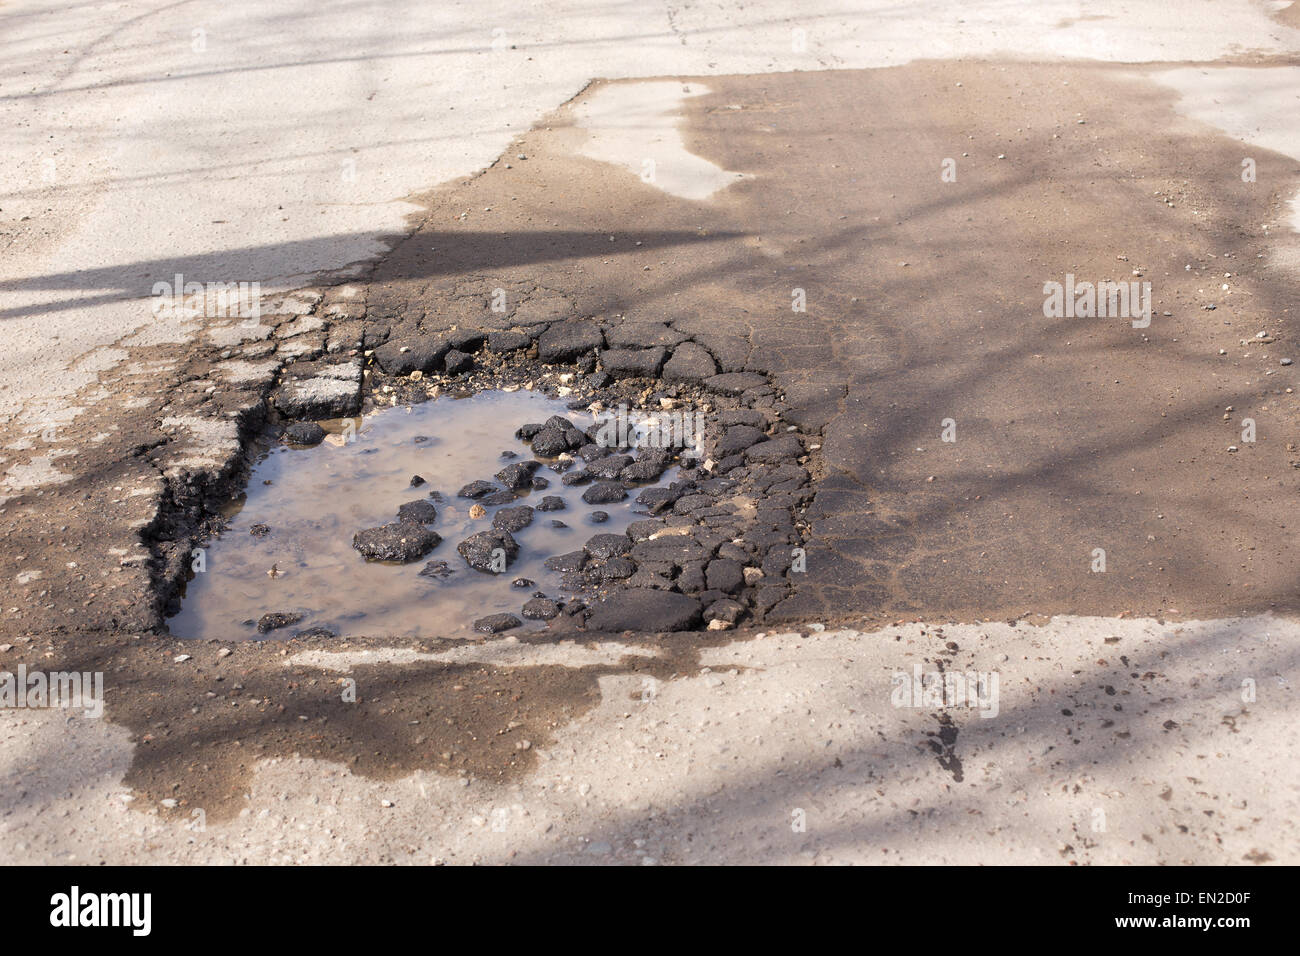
(315, 499)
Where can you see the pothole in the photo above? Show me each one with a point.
(422, 520)
(488, 489)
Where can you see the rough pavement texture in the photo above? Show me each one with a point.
(1115, 742)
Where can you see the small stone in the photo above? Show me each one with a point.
(180, 658)
(224, 652)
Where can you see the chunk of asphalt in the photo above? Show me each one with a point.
(573, 561)
(481, 550)
(401, 541)
(519, 475)
(508, 341)
(723, 574)
(646, 610)
(496, 623)
(549, 442)
(675, 549)
(402, 355)
(741, 416)
(420, 512)
(566, 341)
(457, 362)
(610, 466)
(477, 489)
(633, 363)
(466, 340)
(304, 433)
(641, 334)
(511, 520)
(734, 383)
(437, 569)
(775, 449)
(540, 609)
(736, 439)
(276, 620)
(603, 493)
(607, 545)
(320, 397)
(527, 431)
(725, 610)
(690, 364)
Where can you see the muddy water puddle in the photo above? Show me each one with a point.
(288, 545)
